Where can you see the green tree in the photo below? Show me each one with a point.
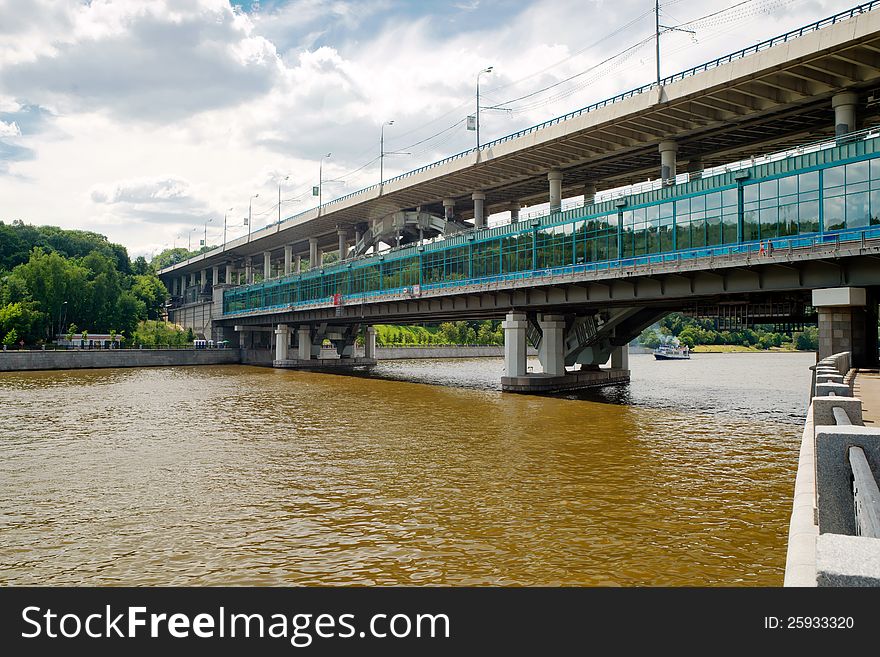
(11, 338)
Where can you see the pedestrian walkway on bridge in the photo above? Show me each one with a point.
(866, 386)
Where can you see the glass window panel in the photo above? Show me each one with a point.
(769, 189)
(729, 223)
(698, 203)
(833, 177)
(665, 210)
(808, 216)
(713, 200)
(683, 206)
(769, 218)
(809, 181)
(857, 172)
(750, 193)
(857, 212)
(730, 197)
(833, 213)
(875, 169)
(750, 225)
(713, 230)
(788, 220)
(875, 207)
(853, 188)
(788, 185)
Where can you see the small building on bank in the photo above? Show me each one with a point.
(91, 341)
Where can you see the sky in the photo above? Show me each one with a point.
(150, 120)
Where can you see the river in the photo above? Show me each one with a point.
(421, 473)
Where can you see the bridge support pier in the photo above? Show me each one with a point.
(313, 252)
(288, 258)
(479, 199)
(555, 180)
(551, 352)
(282, 341)
(370, 343)
(668, 152)
(620, 358)
(515, 325)
(847, 322)
(844, 112)
(589, 193)
(267, 265)
(227, 275)
(342, 234)
(514, 212)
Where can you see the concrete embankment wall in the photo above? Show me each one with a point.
(16, 361)
(400, 353)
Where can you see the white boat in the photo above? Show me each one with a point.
(672, 352)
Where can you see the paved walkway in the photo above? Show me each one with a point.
(866, 386)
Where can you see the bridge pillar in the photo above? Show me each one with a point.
(668, 151)
(282, 341)
(620, 358)
(228, 274)
(215, 275)
(370, 342)
(449, 208)
(589, 193)
(844, 112)
(515, 325)
(847, 323)
(267, 265)
(249, 270)
(342, 234)
(551, 352)
(204, 281)
(288, 258)
(313, 252)
(479, 199)
(514, 212)
(555, 179)
(297, 267)
(182, 284)
(304, 340)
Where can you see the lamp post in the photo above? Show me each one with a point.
(205, 241)
(225, 215)
(382, 151)
(189, 239)
(321, 181)
(279, 197)
(60, 321)
(485, 70)
(250, 207)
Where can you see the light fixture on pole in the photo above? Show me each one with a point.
(485, 70)
(205, 241)
(225, 215)
(250, 216)
(665, 28)
(382, 151)
(279, 198)
(189, 239)
(321, 181)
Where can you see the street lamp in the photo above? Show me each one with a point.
(60, 321)
(225, 215)
(321, 181)
(485, 70)
(189, 239)
(279, 198)
(382, 151)
(250, 207)
(205, 241)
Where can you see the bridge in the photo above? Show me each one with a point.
(776, 145)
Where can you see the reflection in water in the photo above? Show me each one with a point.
(239, 475)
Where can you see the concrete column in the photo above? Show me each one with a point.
(844, 112)
(620, 358)
(668, 151)
(182, 284)
(358, 235)
(288, 258)
(449, 208)
(215, 275)
(282, 342)
(589, 193)
(297, 265)
(514, 212)
(249, 270)
(515, 326)
(342, 234)
(555, 178)
(228, 274)
(320, 258)
(313, 253)
(204, 281)
(846, 324)
(479, 199)
(243, 339)
(267, 265)
(552, 345)
(304, 337)
(370, 342)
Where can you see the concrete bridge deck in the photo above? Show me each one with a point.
(866, 386)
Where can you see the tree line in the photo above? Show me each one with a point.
(53, 279)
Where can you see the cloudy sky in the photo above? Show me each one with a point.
(144, 119)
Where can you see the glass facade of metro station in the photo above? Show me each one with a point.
(830, 193)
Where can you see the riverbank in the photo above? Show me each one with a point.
(77, 359)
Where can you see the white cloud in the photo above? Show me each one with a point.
(9, 130)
